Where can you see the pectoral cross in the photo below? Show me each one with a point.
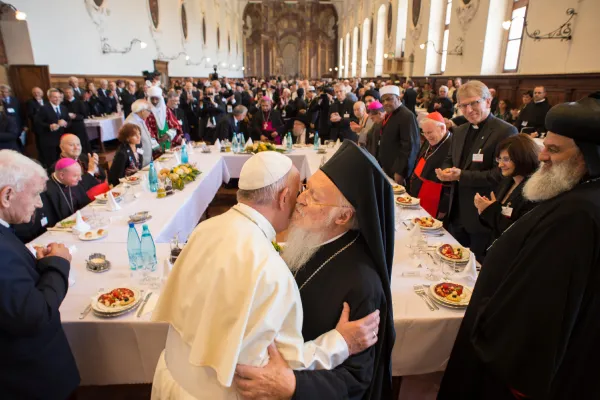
(265, 125)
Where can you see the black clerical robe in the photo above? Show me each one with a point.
(341, 130)
(532, 324)
(76, 124)
(64, 201)
(399, 143)
(349, 277)
(533, 117)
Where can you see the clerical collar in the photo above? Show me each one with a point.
(4, 223)
(333, 239)
(256, 217)
(541, 101)
(482, 123)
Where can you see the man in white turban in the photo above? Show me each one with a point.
(230, 295)
(158, 123)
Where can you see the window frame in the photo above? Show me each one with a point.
(445, 43)
(515, 6)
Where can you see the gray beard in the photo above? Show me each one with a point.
(547, 184)
(300, 246)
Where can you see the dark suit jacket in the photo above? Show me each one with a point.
(410, 99)
(36, 361)
(226, 128)
(44, 118)
(399, 144)
(191, 109)
(476, 177)
(105, 102)
(32, 107)
(124, 159)
(9, 133)
(180, 115)
(312, 112)
(246, 99)
(76, 125)
(127, 99)
(492, 216)
(341, 130)
(323, 121)
(446, 109)
(13, 108)
(78, 96)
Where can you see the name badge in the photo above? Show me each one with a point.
(223, 100)
(478, 157)
(507, 211)
(524, 123)
(229, 109)
(346, 115)
(140, 151)
(283, 114)
(10, 110)
(44, 221)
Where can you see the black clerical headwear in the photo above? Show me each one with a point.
(580, 121)
(362, 182)
(373, 93)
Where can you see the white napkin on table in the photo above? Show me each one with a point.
(284, 141)
(249, 143)
(111, 204)
(157, 166)
(218, 145)
(80, 225)
(177, 158)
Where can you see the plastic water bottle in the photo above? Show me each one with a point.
(242, 141)
(134, 248)
(289, 141)
(317, 141)
(184, 154)
(152, 178)
(148, 250)
(234, 143)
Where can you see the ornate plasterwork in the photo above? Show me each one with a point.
(465, 12)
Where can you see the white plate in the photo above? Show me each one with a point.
(453, 304)
(436, 225)
(100, 199)
(414, 201)
(100, 308)
(466, 254)
(130, 182)
(398, 189)
(95, 236)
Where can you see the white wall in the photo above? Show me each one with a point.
(484, 43)
(65, 37)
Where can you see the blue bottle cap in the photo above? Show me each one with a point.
(131, 224)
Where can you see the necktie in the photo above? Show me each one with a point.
(58, 112)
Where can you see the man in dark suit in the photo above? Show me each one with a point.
(471, 165)
(128, 97)
(103, 97)
(77, 91)
(9, 132)
(11, 105)
(233, 123)
(34, 104)
(410, 97)
(442, 103)
(246, 98)
(399, 141)
(189, 102)
(325, 101)
(50, 123)
(210, 115)
(77, 114)
(312, 112)
(341, 113)
(36, 361)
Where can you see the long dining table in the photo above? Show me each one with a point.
(125, 349)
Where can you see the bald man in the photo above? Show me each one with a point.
(92, 173)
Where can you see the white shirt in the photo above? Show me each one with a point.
(226, 301)
(4, 223)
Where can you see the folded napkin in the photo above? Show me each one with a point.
(218, 145)
(111, 204)
(249, 143)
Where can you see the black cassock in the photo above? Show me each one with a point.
(533, 323)
(349, 277)
(64, 201)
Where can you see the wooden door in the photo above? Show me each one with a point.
(162, 67)
(24, 78)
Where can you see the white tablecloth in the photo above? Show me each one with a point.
(107, 126)
(125, 349)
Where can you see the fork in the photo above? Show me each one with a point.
(421, 293)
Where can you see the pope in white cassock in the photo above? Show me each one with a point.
(230, 295)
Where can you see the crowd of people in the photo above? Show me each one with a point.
(530, 214)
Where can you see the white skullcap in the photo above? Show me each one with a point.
(389, 89)
(154, 91)
(264, 169)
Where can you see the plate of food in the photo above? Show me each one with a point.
(427, 223)
(408, 201)
(69, 223)
(93, 235)
(103, 198)
(116, 301)
(398, 189)
(454, 253)
(165, 157)
(451, 294)
(132, 180)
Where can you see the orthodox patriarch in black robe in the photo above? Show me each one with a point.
(532, 327)
(64, 201)
(359, 275)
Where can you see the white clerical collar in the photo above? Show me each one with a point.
(4, 223)
(333, 239)
(258, 219)
(541, 101)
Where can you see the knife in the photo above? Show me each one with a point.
(139, 313)
(85, 312)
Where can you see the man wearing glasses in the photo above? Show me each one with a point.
(471, 166)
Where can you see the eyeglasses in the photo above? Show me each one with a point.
(472, 104)
(310, 202)
(504, 160)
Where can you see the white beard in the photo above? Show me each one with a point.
(546, 184)
(302, 243)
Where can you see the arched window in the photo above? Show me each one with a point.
(381, 25)
(347, 56)
(354, 50)
(365, 47)
(515, 35)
